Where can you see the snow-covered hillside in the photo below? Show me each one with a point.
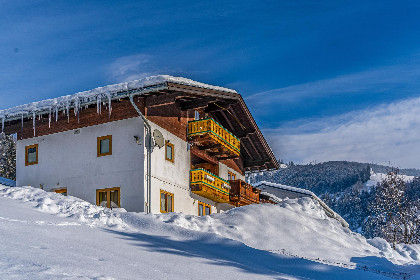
(376, 178)
(49, 236)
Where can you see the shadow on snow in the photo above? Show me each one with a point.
(225, 252)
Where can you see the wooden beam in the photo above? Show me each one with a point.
(219, 106)
(196, 104)
(244, 129)
(216, 154)
(209, 146)
(161, 99)
(228, 157)
(203, 155)
(228, 121)
(255, 163)
(255, 148)
(246, 149)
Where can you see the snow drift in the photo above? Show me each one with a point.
(297, 227)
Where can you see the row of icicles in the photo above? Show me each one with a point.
(54, 111)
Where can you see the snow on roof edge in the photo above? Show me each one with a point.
(97, 94)
(284, 187)
(272, 196)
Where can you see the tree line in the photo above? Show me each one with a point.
(7, 156)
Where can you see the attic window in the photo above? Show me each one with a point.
(231, 176)
(31, 155)
(169, 152)
(104, 146)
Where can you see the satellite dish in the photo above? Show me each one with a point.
(158, 137)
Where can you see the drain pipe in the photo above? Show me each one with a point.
(149, 156)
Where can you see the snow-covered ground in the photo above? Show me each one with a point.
(48, 236)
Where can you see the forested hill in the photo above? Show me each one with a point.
(327, 177)
(344, 186)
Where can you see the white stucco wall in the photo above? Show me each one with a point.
(70, 160)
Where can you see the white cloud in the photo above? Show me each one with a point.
(387, 133)
(403, 77)
(137, 66)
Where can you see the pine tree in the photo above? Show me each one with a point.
(397, 215)
(7, 156)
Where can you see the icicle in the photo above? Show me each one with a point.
(109, 104)
(2, 125)
(21, 129)
(76, 106)
(49, 117)
(98, 104)
(56, 113)
(33, 121)
(67, 111)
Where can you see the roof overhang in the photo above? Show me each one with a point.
(225, 105)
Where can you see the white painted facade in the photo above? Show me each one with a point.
(69, 160)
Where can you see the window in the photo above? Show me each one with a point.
(231, 176)
(166, 202)
(31, 155)
(169, 152)
(203, 209)
(62, 191)
(108, 197)
(104, 145)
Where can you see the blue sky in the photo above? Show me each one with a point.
(309, 70)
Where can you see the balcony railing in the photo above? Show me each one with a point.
(214, 137)
(242, 193)
(208, 185)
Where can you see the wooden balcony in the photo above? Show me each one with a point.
(214, 138)
(242, 193)
(208, 185)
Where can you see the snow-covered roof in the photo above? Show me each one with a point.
(96, 95)
(284, 187)
(7, 182)
(272, 197)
